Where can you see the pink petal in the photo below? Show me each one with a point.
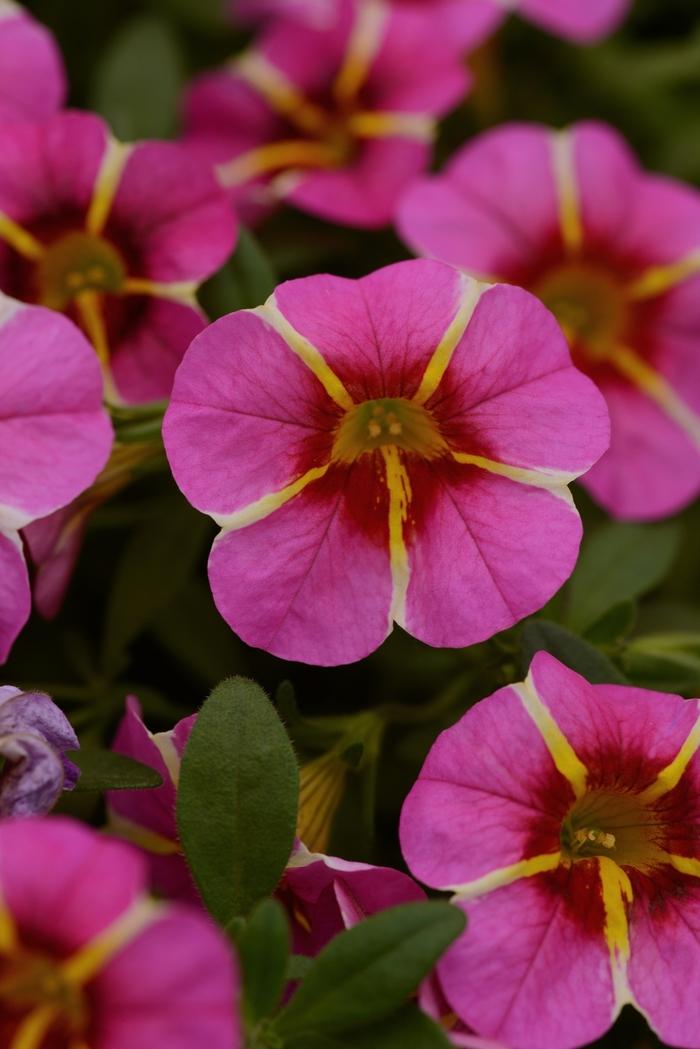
(379, 333)
(529, 948)
(15, 597)
(62, 883)
(487, 796)
(176, 985)
(317, 579)
(146, 354)
(51, 413)
(178, 218)
(54, 544)
(666, 221)
(583, 21)
(511, 393)
(246, 418)
(486, 552)
(607, 179)
(32, 79)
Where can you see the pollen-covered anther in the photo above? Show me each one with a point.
(595, 837)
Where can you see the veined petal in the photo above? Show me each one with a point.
(15, 597)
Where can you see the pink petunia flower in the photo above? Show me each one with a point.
(393, 449)
(432, 1001)
(336, 120)
(565, 818)
(615, 253)
(118, 237)
(34, 738)
(54, 437)
(32, 78)
(467, 22)
(88, 959)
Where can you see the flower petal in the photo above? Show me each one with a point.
(528, 948)
(581, 22)
(32, 79)
(33, 776)
(15, 595)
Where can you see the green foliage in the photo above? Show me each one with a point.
(576, 652)
(105, 770)
(246, 280)
(237, 801)
(263, 948)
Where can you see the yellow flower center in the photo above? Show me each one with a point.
(76, 263)
(589, 303)
(619, 826)
(387, 421)
(31, 982)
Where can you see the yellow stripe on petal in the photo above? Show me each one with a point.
(148, 840)
(294, 153)
(670, 776)
(280, 93)
(174, 291)
(321, 785)
(399, 486)
(617, 895)
(106, 185)
(554, 480)
(658, 279)
(363, 46)
(650, 382)
(306, 351)
(8, 932)
(33, 1030)
(471, 292)
(392, 125)
(563, 754)
(506, 876)
(84, 965)
(569, 205)
(20, 239)
(685, 864)
(267, 505)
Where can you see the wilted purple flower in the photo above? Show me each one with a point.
(34, 738)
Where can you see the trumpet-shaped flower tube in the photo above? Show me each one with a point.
(565, 818)
(54, 436)
(88, 959)
(393, 449)
(117, 237)
(335, 119)
(615, 253)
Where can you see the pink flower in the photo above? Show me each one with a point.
(335, 120)
(118, 237)
(390, 449)
(54, 437)
(565, 818)
(432, 1001)
(34, 738)
(468, 22)
(87, 958)
(324, 895)
(615, 253)
(32, 79)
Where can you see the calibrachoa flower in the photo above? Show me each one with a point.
(32, 80)
(116, 236)
(87, 959)
(324, 895)
(54, 436)
(469, 22)
(615, 253)
(566, 814)
(390, 449)
(34, 736)
(433, 1002)
(335, 120)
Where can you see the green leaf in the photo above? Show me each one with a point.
(105, 770)
(618, 563)
(409, 1028)
(246, 280)
(368, 972)
(298, 966)
(614, 624)
(263, 948)
(237, 800)
(139, 80)
(541, 635)
(669, 662)
(155, 565)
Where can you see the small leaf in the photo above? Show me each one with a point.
(368, 972)
(618, 563)
(540, 635)
(105, 770)
(298, 966)
(408, 1028)
(139, 80)
(246, 280)
(669, 662)
(614, 624)
(263, 948)
(237, 800)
